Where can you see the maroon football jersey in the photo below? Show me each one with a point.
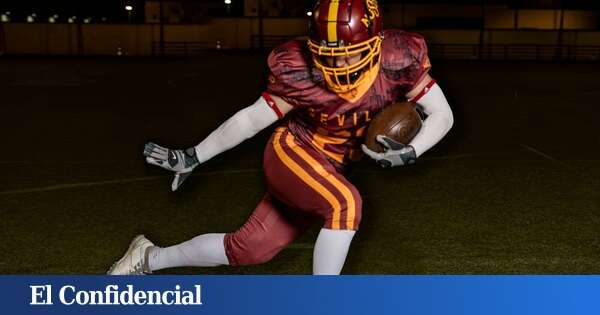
(335, 124)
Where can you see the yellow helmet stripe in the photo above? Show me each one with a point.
(332, 21)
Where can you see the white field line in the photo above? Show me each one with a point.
(78, 185)
(84, 162)
(224, 172)
(115, 181)
(542, 154)
(51, 162)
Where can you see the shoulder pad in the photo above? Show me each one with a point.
(290, 56)
(404, 59)
(402, 49)
(292, 75)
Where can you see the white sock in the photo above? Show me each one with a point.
(330, 251)
(206, 250)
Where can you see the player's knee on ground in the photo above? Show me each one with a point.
(269, 229)
(252, 248)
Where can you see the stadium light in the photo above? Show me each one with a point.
(227, 1)
(309, 13)
(72, 19)
(129, 9)
(52, 19)
(30, 19)
(4, 18)
(87, 20)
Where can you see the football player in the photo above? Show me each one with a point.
(324, 92)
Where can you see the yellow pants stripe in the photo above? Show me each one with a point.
(351, 203)
(305, 177)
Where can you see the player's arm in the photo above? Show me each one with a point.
(429, 96)
(242, 125)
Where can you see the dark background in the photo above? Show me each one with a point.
(114, 11)
(512, 189)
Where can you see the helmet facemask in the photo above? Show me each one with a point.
(346, 78)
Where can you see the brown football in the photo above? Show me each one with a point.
(399, 121)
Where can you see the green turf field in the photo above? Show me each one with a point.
(514, 188)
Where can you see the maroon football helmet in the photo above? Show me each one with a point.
(345, 28)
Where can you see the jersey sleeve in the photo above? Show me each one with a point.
(404, 61)
(290, 76)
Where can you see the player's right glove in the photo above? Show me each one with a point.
(396, 153)
(182, 162)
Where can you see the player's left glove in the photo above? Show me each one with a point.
(396, 153)
(182, 162)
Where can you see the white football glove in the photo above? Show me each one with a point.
(182, 162)
(396, 153)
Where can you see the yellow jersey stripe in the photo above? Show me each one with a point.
(335, 182)
(336, 156)
(305, 177)
(332, 21)
(319, 141)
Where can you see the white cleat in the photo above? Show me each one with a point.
(135, 260)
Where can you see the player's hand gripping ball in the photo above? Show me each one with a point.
(389, 134)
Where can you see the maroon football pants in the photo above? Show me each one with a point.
(302, 185)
